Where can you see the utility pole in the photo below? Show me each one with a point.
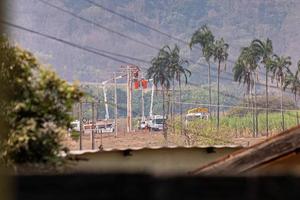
(143, 105)
(105, 101)
(129, 99)
(81, 125)
(93, 125)
(116, 106)
(151, 103)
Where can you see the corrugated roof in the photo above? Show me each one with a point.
(79, 152)
(251, 157)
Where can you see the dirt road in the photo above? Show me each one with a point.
(121, 141)
(140, 139)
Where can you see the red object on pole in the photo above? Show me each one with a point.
(136, 74)
(136, 84)
(144, 83)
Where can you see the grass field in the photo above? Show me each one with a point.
(205, 132)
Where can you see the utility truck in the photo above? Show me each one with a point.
(196, 113)
(156, 122)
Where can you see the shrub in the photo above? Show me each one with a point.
(35, 107)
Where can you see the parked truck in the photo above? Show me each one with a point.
(156, 122)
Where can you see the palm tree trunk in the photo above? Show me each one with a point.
(297, 117)
(173, 105)
(218, 102)
(209, 91)
(181, 122)
(255, 108)
(251, 101)
(164, 112)
(168, 103)
(267, 104)
(281, 104)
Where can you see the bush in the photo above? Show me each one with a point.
(75, 135)
(37, 112)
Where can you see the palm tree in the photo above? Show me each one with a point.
(220, 53)
(159, 72)
(205, 38)
(265, 51)
(177, 70)
(245, 71)
(293, 81)
(279, 68)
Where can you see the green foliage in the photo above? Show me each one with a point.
(37, 112)
(244, 70)
(204, 132)
(292, 80)
(75, 135)
(274, 105)
(205, 38)
(220, 51)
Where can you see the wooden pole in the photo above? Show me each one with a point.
(81, 125)
(143, 105)
(281, 104)
(116, 107)
(267, 102)
(128, 99)
(93, 125)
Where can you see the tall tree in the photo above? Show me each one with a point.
(160, 74)
(205, 38)
(220, 53)
(292, 80)
(244, 71)
(279, 67)
(178, 69)
(265, 50)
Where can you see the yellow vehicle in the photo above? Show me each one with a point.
(196, 113)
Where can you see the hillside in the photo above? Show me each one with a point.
(237, 21)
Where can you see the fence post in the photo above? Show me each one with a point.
(93, 125)
(81, 125)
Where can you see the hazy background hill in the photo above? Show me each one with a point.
(238, 21)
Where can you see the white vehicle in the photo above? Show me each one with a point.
(156, 123)
(193, 116)
(75, 125)
(105, 128)
(99, 127)
(143, 125)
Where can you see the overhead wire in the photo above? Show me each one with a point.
(84, 48)
(103, 55)
(94, 50)
(98, 51)
(98, 25)
(153, 29)
(230, 106)
(113, 31)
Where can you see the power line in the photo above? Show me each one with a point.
(135, 21)
(119, 55)
(114, 31)
(90, 49)
(153, 29)
(63, 41)
(257, 83)
(148, 27)
(121, 34)
(228, 106)
(98, 25)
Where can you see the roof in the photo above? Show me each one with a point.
(79, 152)
(248, 158)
